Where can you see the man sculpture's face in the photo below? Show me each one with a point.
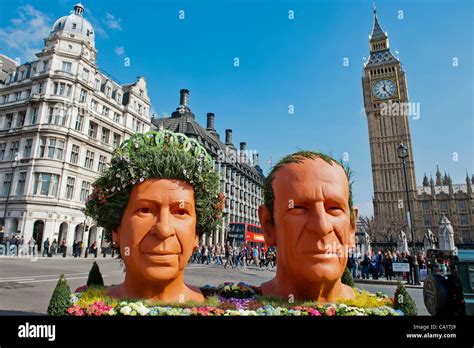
(157, 233)
(312, 227)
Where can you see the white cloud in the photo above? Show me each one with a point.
(112, 22)
(26, 32)
(96, 24)
(119, 51)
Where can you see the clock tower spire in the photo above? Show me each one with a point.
(385, 95)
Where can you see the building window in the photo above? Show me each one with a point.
(46, 184)
(93, 105)
(27, 148)
(20, 120)
(85, 74)
(116, 117)
(85, 189)
(17, 95)
(82, 95)
(74, 154)
(425, 205)
(427, 219)
(61, 88)
(79, 122)
(443, 205)
(138, 126)
(105, 111)
(55, 148)
(70, 187)
(105, 135)
(7, 184)
(97, 84)
(119, 98)
(102, 164)
(57, 116)
(92, 130)
(40, 87)
(108, 91)
(45, 64)
(66, 66)
(13, 149)
(116, 140)
(20, 189)
(2, 151)
(89, 162)
(463, 219)
(33, 115)
(462, 205)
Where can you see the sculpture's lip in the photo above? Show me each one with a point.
(160, 253)
(320, 254)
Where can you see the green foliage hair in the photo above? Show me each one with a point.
(162, 155)
(299, 157)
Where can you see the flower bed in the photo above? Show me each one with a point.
(229, 299)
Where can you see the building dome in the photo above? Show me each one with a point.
(75, 24)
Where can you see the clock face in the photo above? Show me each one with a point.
(384, 89)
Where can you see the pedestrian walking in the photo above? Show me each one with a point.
(46, 247)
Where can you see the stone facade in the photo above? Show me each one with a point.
(60, 120)
(440, 197)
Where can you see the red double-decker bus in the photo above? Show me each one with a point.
(240, 233)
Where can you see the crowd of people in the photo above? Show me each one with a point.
(16, 246)
(380, 265)
(235, 256)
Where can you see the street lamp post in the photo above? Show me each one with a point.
(403, 154)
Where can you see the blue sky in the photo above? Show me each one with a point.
(283, 62)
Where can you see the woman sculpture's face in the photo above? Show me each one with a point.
(157, 234)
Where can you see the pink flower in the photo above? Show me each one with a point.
(330, 312)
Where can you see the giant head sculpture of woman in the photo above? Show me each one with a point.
(158, 196)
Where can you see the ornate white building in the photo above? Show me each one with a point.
(60, 120)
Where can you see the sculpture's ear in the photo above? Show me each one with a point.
(268, 226)
(116, 237)
(196, 242)
(355, 215)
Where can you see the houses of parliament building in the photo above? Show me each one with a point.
(385, 96)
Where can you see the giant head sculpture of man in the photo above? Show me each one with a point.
(159, 195)
(309, 216)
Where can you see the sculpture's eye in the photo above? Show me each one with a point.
(180, 212)
(144, 210)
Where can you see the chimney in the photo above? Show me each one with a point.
(184, 97)
(210, 121)
(255, 159)
(228, 136)
(243, 152)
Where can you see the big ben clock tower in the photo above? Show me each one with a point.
(386, 105)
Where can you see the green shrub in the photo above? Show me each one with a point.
(403, 300)
(60, 300)
(95, 277)
(347, 278)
